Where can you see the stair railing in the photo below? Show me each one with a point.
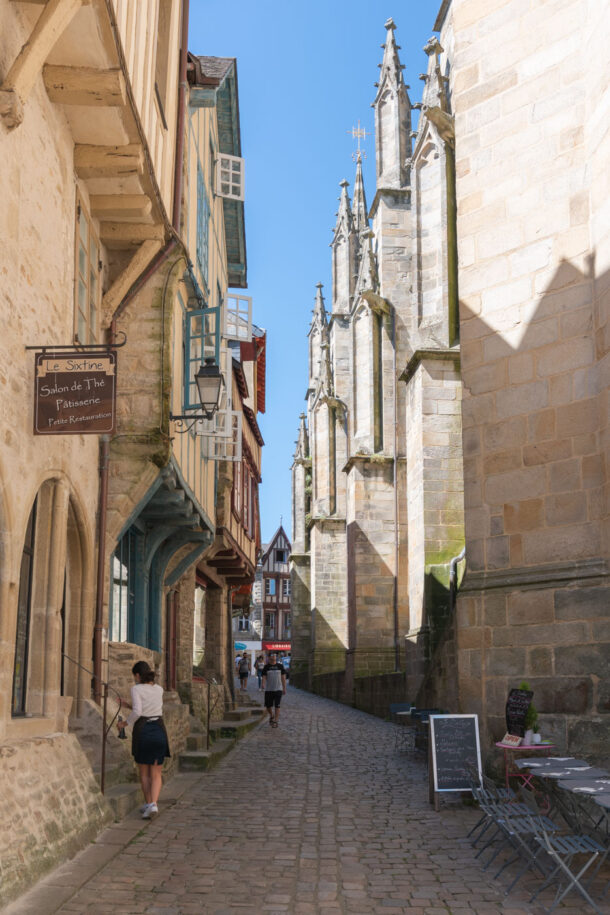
(105, 730)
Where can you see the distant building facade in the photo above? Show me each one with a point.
(457, 386)
(276, 594)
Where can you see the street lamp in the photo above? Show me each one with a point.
(209, 386)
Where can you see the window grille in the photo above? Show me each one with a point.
(238, 318)
(230, 177)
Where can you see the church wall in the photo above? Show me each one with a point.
(371, 554)
(329, 594)
(301, 636)
(535, 599)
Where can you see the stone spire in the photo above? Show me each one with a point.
(326, 373)
(302, 449)
(345, 253)
(345, 219)
(319, 310)
(318, 334)
(392, 117)
(359, 210)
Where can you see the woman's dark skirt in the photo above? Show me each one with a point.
(149, 743)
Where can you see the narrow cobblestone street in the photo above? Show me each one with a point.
(321, 815)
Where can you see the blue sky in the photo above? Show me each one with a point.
(306, 74)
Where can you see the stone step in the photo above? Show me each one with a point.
(238, 714)
(124, 798)
(204, 760)
(195, 742)
(233, 729)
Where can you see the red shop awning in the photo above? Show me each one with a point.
(276, 646)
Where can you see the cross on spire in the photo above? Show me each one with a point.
(359, 133)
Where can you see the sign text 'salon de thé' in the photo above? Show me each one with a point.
(75, 393)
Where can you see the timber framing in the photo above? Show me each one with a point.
(20, 79)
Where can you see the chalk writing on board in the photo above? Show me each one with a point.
(456, 754)
(517, 704)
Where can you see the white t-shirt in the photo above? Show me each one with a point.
(147, 700)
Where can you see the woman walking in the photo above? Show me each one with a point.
(260, 664)
(149, 743)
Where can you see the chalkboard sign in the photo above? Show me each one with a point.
(456, 753)
(517, 704)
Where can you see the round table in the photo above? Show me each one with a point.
(509, 769)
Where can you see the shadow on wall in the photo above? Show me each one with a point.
(534, 603)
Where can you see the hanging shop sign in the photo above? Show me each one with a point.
(75, 392)
(276, 646)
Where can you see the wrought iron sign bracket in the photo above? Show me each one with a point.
(80, 347)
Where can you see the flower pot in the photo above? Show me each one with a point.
(537, 738)
(528, 739)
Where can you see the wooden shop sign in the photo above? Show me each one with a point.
(75, 393)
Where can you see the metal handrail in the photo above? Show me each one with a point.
(105, 730)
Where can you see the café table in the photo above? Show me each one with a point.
(509, 767)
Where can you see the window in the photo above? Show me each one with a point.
(230, 177)
(87, 292)
(123, 590)
(286, 587)
(280, 555)
(22, 640)
(203, 225)
(238, 318)
(201, 341)
(237, 489)
(286, 624)
(270, 624)
(270, 587)
(244, 624)
(212, 167)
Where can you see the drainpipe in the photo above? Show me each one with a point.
(453, 578)
(99, 602)
(396, 540)
(152, 268)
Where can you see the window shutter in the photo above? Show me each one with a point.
(230, 177)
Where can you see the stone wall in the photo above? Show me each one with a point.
(53, 805)
(122, 657)
(199, 701)
(534, 266)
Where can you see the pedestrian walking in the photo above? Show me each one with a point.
(259, 666)
(274, 684)
(244, 669)
(149, 743)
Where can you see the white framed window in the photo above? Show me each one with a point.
(238, 318)
(87, 278)
(230, 177)
(221, 436)
(286, 587)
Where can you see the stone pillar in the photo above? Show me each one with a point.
(301, 644)
(329, 594)
(434, 489)
(371, 563)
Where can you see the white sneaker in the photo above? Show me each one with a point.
(149, 811)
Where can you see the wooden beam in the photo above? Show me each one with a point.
(44, 2)
(128, 205)
(85, 86)
(108, 161)
(22, 75)
(132, 271)
(126, 234)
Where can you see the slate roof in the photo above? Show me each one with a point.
(209, 71)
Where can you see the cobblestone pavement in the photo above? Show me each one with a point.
(321, 815)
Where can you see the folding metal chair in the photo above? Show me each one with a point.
(562, 849)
